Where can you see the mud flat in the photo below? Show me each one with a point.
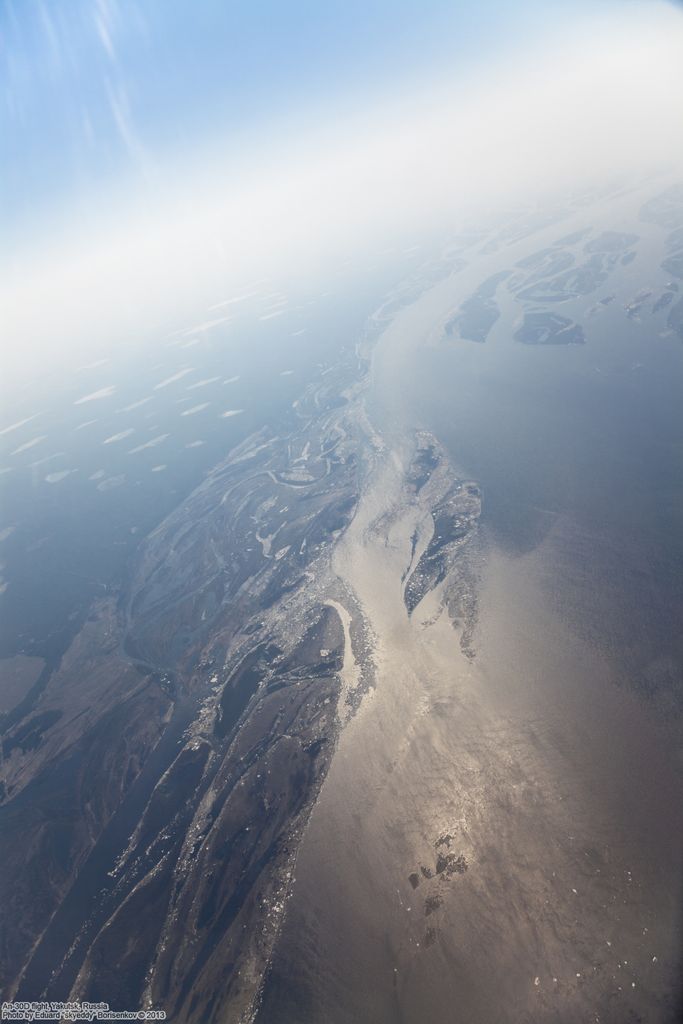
(17, 676)
(156, 788)
(332, 753)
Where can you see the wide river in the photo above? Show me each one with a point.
(550, 760)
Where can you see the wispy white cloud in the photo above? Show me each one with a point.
(602, 97)
(119, 108)
(103, 17)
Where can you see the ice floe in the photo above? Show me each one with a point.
(111, 482)
(15, 426)
(120, 436)
(94, 396)
(29, 444)
(54, 478)
(173, 378)
(207, 325)
(232, 301)
(48, 458)
(195, 409)
(202, 383)
(92, 366)
(152, 443)
(136, 405)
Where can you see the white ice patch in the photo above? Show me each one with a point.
(111, 482)
(136, 405)
(232, 301)
(29, 444)
(203, 383)
(195, 409)
(48, 458)
(120, 436)
(54, 478)
(95, 396)
(207, 325)
(15, 426)
(149, 444)
(92, 366)
(173, 378)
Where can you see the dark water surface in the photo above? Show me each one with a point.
(558, 746)
(73, 536)
(584, 442)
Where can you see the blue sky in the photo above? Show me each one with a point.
(156, 154)
(93, 88)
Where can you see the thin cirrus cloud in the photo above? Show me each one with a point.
(536, 119)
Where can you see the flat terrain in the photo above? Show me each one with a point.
(384, 722)
(499, 834)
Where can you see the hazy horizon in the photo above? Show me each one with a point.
(180, 215)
